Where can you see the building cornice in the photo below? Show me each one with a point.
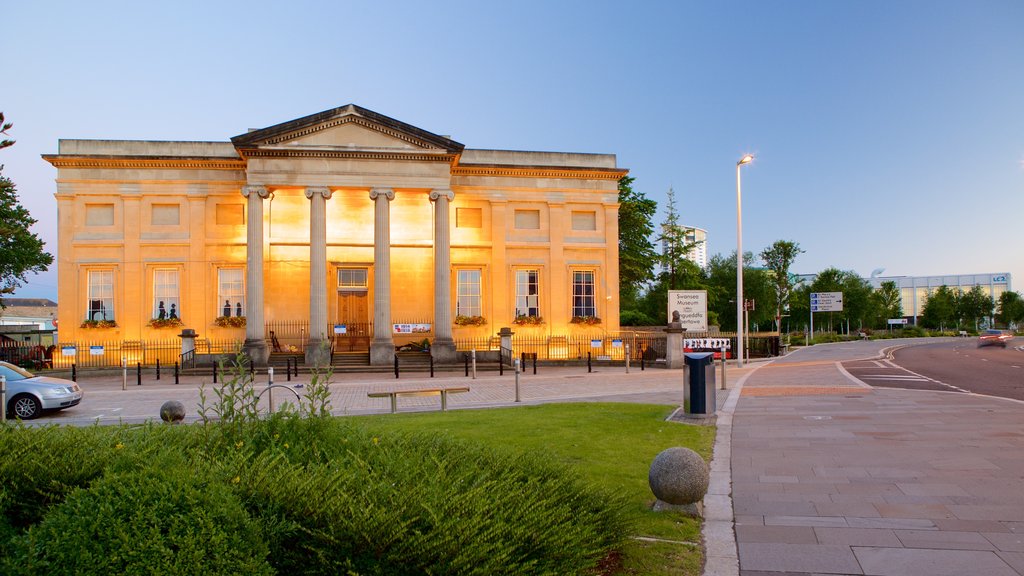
(144, 162)
(539, 172)
(345, 154)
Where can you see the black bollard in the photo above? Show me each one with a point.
(175, 372)
(465, 357)
(295, 367)
(589, 368)
(74, 373)
(138, 373)
(643, 353)
(288, 368)
(396, 366)
(535, 363)
(157, 368)
(214, 372)
(431, 365)
(501, 364)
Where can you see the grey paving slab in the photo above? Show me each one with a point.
(925, 562)
(857, 537)
(778, 534)
(1006, 542)
(799, 558)
(943, 540)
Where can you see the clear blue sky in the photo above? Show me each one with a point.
(887, 134)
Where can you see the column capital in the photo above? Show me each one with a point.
(260, 191)
(442, 192)
(321, 190)
(386, 192)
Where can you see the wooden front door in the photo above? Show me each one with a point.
(353, 314)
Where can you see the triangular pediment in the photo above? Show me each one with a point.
(346, 129)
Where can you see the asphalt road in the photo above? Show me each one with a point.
(950, 365)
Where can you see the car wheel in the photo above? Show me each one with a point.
(25, 407)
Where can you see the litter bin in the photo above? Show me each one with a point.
(701, 382)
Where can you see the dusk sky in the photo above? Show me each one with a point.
(888, 134)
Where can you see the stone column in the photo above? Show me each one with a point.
(318, 350)
(382, 349)
(443, 347)
(255, 344)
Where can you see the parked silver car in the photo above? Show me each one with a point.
(29, 395)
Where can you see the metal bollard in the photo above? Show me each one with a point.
(157, 368)
(515, 364)
(215, 372)
(396, 366)
(627, 358)
(124, 373)
(501, 365)
(176, 372)
(74, 373)
(288, 368)
(723, 367)
(270, 388)
(465, 361)
(472, 354)
(431, 365)
(534, 363)
(3, 398)
(138, 373)
(589, 367)
(642, 354)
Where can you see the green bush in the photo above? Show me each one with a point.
(162, 520)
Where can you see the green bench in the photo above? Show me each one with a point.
(442, 392)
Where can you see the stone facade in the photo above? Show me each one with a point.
(342, 218)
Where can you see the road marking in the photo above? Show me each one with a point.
(877, 363)
(893, 377)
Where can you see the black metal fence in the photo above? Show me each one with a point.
(108, 354)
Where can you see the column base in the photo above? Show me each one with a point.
(257, 351)
(382, 353)
(318, 354)
(443, 351)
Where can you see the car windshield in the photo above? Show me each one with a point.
(13, 373)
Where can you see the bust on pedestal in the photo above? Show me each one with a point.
(674, 357)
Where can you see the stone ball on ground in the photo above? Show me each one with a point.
(172, 411)
(679, 476)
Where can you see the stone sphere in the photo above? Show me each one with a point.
(172, 411)
(679, 476)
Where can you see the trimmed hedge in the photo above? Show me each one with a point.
(293, 496)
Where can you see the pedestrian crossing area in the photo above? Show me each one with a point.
(884, 373)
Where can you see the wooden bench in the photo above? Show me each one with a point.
(442, 392)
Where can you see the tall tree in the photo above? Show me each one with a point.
(1011, 309)
(21, 251)
(637, 256)
(886, 303)
(939, 309)
(973, 306)
(778, 258)
(674, 247)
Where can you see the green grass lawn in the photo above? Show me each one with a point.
(611, 445)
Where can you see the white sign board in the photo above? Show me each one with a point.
(826, 301)
(68, 351)
(411, 328)
(692, 306)
(707, 343)
(340, 328)
(596, 343)
(616, 343)
(897, 321)
(96, 350)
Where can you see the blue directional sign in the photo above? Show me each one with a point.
(826, 301)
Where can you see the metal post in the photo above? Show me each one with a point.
(501, 364)
(515, 365)
(288, 368)
(3, 398)
(431, 365)
(589, 367)
(175, 371)
(214, 371)
(270, 388)
(124, 373)
(396, 366)
(534, 363)
(465, 362)
(74, 373)
(723, 367)
(138, 373)
(472, 355)
(627, 357)
(642, 354)
(157, 368)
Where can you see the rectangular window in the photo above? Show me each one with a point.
(231, 292)
(527, 293)
(101, 295)
(166, 215)
(230, 214)
(166, 299)
(468, 218)
(468, 301)
(352, 278)
(99, 214)
(584, 221)
(583, 301)
(528, 219)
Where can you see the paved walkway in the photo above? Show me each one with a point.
(831, 476)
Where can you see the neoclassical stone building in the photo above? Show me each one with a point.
(370, 230)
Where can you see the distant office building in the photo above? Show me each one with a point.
(914, 290)
(699, 253)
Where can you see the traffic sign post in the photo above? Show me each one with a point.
(825, 302)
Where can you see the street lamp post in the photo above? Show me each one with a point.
(746, 159)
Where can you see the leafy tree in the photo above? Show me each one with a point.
(856, 295)
(1011, 309)
(885, 303)
(721, 286)
(21, 251)
(939, 309)
(4, 127)
(973, 306)
(778, 258)
(637, 256)
(674, 247)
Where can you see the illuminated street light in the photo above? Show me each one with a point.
(746, 159)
